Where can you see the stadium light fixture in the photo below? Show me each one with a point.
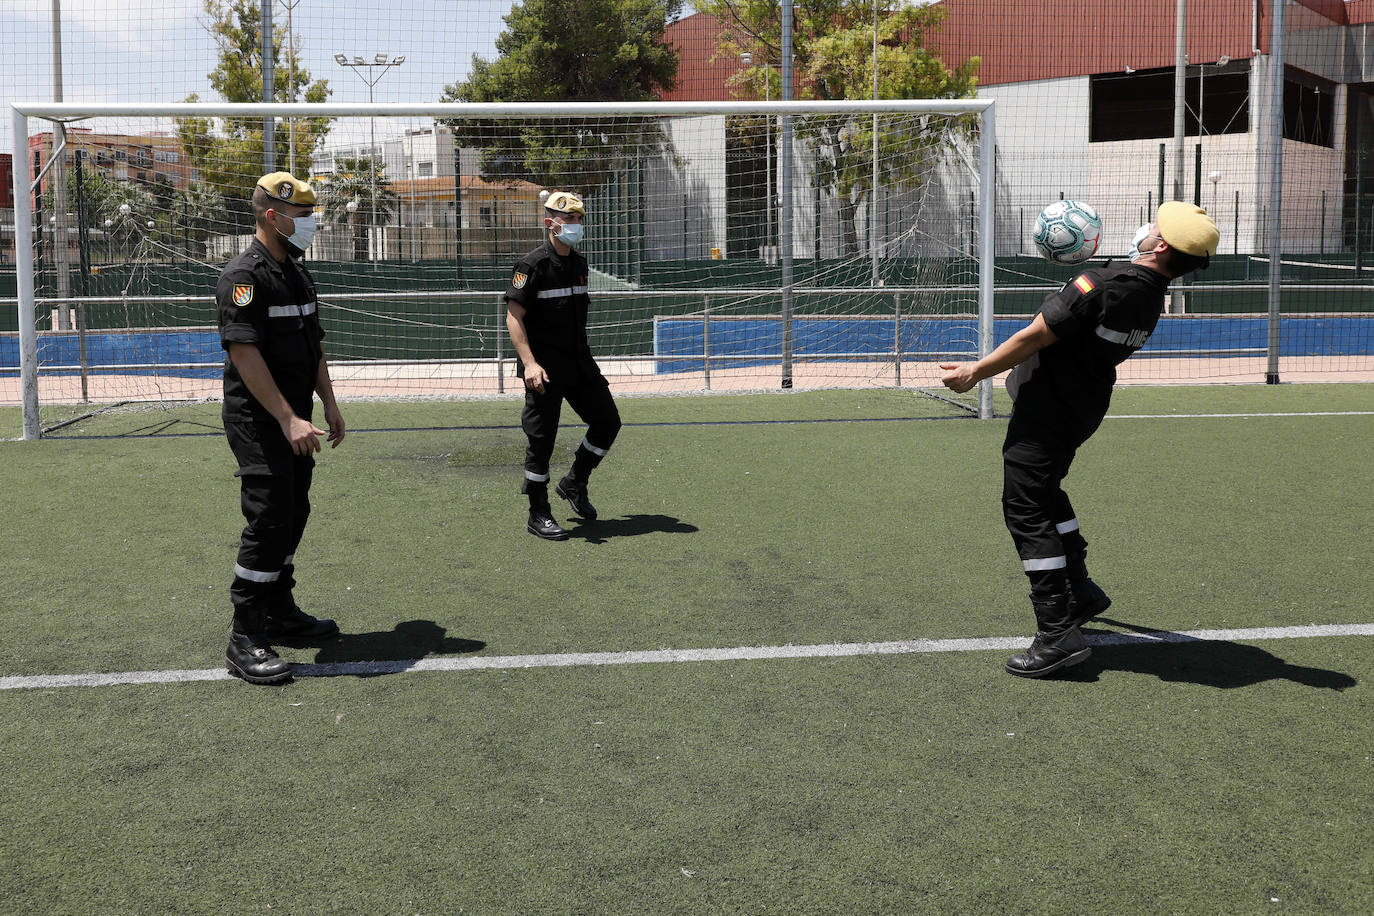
(383, 61)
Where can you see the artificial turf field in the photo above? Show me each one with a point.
(1199, 776)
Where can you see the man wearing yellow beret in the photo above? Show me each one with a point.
(270, 328)
(1063, 368)
(546, 315)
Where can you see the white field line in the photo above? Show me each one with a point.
(662, 656)
(1242, 416)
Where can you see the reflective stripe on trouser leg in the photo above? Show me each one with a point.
(539, 420)
(1075, 548)
(1034, 507)
(594, 404)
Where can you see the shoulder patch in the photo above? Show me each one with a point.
(243, 294)
(1084, 285)
(518, 281)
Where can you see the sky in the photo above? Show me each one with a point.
(160, 51)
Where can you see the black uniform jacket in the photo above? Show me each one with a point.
(270, 304)
(1101, 317)
(552, 288)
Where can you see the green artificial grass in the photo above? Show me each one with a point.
(1194, 778)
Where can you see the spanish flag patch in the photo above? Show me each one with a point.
(1084, 285)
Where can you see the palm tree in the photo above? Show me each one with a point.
(347, 197)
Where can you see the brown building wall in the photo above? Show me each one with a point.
(1021, 42)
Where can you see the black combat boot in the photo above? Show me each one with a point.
(288, 622)
(1086, 601)
(1057, 644)
(575, 492)
(251, 658)
(542, 525)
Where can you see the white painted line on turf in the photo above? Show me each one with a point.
(1241, 416)
(661, 656)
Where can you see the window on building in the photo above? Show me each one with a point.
(426, 169)
(121, 155)
(1140, 105)
(1308, 102)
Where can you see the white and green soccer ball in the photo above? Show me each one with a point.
(1067, 232)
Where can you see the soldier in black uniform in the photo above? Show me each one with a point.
(546, 313)
(270, 329)
(1065, 366)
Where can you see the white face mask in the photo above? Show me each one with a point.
(303, 234)
(1141, 235)
(569, 233)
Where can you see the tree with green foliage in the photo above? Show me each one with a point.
(569, 51)
(228, 152)
(353, 182)
(182, 219)
(833, 59)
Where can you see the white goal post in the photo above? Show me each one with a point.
(776, 248)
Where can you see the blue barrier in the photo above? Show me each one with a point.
(679, 343)
(144, 352)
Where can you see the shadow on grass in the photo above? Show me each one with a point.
(602, 530)
(384, 652)
(1179, 658)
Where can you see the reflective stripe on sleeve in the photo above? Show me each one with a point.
(599, 452)
(537, 478)
(1106, 333)
(562, 291)
(1044, 563)
(290, 311)
(1066, 527)
(256, 575)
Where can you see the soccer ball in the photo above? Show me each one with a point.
(1067, 232)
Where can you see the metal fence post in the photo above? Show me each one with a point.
(706, 341)
(897, 334)
(500, 346)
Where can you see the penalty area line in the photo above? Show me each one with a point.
(668, 656)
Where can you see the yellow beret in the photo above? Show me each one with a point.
(288, 189)
(1188, 228)
(565, 202)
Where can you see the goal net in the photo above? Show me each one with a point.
(732, 246)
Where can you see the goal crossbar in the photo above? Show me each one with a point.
(64, 112)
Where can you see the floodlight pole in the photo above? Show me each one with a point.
(873, 189)
(987, 209)
(1276, 66)
(291, 82)
(1180, 90)
(269, 90)
(61, 268)
(385, 62)
(23, 265)
(785, 178)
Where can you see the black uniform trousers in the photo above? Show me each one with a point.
(1039, 516)
(275, 498)
(590, 398)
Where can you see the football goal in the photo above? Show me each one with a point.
(732, 245)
